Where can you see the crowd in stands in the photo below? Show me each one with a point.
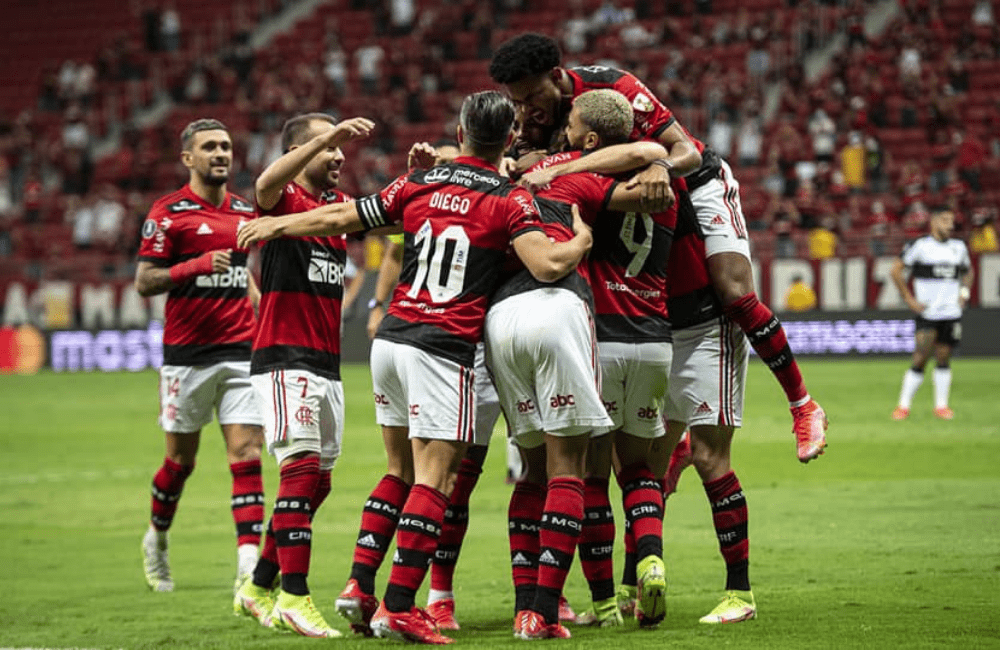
(850, 163)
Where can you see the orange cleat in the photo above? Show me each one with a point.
(810, 424)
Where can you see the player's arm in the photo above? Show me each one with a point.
(282, 171)
(627, 197)
(965, 290)
(388, 276)
(613, 159)
(327, 220)
(900, 281)
(682, 158)
(152, 279)
(550, 261)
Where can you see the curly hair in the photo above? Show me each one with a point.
(524, 56)
(606, 112)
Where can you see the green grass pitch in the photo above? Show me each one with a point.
(891, 539)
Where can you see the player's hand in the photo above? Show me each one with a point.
(375, 316)
(260, 229)
(537, 180)
(526, 160)
(655, 192)
(351, 129)
(916, 306)
(421, 156)
(221, 260)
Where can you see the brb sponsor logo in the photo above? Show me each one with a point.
(325, 271)
(558, 401)
(236, 276)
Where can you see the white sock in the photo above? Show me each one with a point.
(246, 557)
(942, 387)
(911, 382)
(434, 595)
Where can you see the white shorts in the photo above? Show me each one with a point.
(433, 396)
(708, 379)
(720, 215)
(487, 401)
(189, 394)
(303, 412)
(634, 380)
(541, 348)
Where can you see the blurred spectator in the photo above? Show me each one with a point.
(170, 29)
(749, 139)
(823, 240)
(7, 204)
(954, 193)
(575, 31)
(608, 15)
(368, 59)
(720, 134)
(80, 216)
(800, 296)
(915, 220)
(635, 36)
(823, 132)
(983, 237)
(912, 183)
(109, 215)
(910, 64)
(878, 228)
(982, 13)
(970, 158)
(401, 15)
(852, 161)
(31, 196)
(782, 219)
(942, 153)
(758, 59)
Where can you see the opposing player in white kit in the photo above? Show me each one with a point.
(942, 281)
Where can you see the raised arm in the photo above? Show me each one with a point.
(283, 170)
(549, 261)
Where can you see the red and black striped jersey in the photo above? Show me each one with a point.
(627, 265)
(208, 319)
(692, 300)
(302, 285)
(458, 220)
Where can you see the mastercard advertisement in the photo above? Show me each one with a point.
(22, 350)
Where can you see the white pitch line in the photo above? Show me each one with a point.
(66, 477)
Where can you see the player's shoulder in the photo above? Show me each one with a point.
(174, 203)
(238, 204)
(599, 75)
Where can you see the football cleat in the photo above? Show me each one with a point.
(357, 607)
(602, 613)
(900, 413)
(252, 600)
(680, 459)
(944, 413)
(651, 600)
(735, 606)
(566, 614)
(626, 600)
(299, 614)
(155, 561)
(443, 613)
(246, 561)
(810, 424)
(533, 626)
(415, 626)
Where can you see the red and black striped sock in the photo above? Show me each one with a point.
(729, 514)
(292, 521)
(597, 539)
(562, 520)
(642, 501)
(767, 336)
(524, 516)
(267, 568)
(322, 492)
(456, 523)
(417, 538)
(248, 501)
(168, 483)
(378, 526)
(629, 575)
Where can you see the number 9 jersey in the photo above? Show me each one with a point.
(458, 220)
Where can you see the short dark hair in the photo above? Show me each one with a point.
(203, 124)
(296, 128)
(524, 56)
(487, 118)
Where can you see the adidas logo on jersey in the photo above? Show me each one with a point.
(548, 558)
(368, 540)
(717, 220)
(703, 409)
(520, 560)
(203, 229)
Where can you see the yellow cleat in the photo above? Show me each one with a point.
(736, 606)
(298, 614)
(254, 601)
(602, 613)
(651, 601)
